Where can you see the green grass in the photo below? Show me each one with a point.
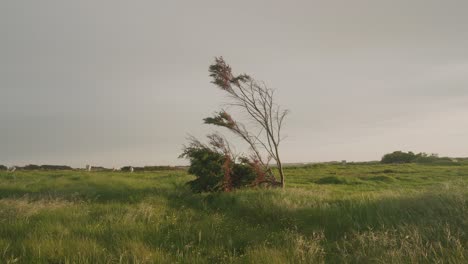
(327, 214)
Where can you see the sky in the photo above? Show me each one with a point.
(116, 83)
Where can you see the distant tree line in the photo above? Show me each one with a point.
(410, 157)
(149, 168)
(39, 167)
(94, 168)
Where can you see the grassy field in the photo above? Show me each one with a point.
(327, 214)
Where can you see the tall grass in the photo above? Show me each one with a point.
(328, 214)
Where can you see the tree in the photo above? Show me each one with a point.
(256, 101)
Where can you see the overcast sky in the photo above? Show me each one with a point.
(123, 82)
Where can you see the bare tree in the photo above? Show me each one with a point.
(255, 100)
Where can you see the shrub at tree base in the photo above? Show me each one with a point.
(243, 175)
(209, 168)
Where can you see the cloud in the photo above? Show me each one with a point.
(117, 82)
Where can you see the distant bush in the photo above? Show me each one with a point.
(3, 168)
(55, 167)
(398, 157)
(149, 168)
(30, 167)
(126, 168)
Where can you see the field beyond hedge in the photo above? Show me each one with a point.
(327, 214)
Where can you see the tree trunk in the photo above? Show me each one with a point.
(280, 166)
(280, 169)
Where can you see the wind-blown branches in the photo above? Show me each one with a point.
(224, 119)
(216, 143)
